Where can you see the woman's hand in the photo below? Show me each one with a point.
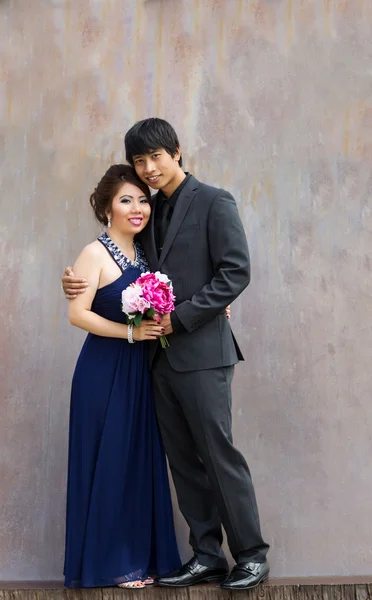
(147, 330)
(228, 311)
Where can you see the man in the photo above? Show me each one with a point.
(196, 237)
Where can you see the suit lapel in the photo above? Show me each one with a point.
(148, 240)
(180, 210)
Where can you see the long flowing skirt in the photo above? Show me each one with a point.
(119, 514)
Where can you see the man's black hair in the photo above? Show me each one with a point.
(148, 135)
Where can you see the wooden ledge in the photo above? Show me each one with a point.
(294, 588)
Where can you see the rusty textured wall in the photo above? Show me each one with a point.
(273, 100)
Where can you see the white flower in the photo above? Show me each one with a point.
(162, 277)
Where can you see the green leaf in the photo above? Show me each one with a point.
(138, 319)
(151, 312)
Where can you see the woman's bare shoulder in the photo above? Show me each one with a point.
(92, 252)
(94, 249)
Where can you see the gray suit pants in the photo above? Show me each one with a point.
(211, 477)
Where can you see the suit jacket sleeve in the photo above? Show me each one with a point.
(230, 258)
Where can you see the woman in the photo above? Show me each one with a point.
(119, 516)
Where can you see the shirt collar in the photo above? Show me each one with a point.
(173, 198)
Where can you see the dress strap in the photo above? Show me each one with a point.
(121, 260)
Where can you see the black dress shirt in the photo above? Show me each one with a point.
(163, 215)
(165, 204)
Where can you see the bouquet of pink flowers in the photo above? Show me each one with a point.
(151, 295)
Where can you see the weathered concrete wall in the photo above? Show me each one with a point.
(272, 99)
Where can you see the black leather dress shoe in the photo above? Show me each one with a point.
(245, 576)
(193, 572)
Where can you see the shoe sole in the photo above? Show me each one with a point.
(213, 579)
(245, 587)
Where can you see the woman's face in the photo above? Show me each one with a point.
(130, 210)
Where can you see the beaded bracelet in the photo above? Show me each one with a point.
(130, 334)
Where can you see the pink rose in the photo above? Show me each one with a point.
(133, 301)
(159, 295)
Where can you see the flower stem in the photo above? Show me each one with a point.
(164, 342)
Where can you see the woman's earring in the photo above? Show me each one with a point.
(108, 222)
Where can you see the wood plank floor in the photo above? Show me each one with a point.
(340, 588)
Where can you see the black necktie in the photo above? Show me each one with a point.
(163, 223)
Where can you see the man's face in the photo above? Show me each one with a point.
(158, 169)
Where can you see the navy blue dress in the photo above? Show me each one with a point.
(119, 515)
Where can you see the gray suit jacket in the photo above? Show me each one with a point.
(205, 254)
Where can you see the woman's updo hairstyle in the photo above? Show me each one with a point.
(108, 187)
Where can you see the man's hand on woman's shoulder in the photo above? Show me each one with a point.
(73, 286)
